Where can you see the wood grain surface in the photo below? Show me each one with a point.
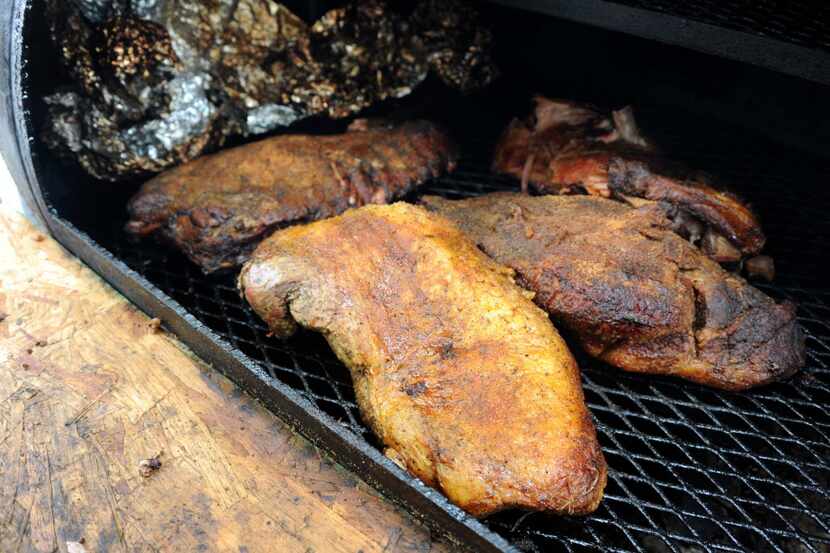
(89, 387)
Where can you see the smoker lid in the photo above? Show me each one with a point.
(789, 37)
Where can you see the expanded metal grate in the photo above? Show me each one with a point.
(800, 22)
(691, 469)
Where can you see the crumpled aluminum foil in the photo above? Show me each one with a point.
(159, 82)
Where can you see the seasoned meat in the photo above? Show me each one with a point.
(463, 379)
(218, 208)
(634, 293)
(565, 148)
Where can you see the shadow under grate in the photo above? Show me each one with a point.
(691, 469)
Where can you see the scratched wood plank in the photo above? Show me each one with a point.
(88, 389)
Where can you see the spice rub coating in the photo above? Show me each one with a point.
(465, 381)
(216, 209)
(634, 293)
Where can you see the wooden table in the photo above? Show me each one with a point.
(89, 388)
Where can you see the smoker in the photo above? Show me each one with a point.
(736, 88)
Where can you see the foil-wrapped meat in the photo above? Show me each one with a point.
(156, 83)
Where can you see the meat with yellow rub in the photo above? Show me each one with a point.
(463, 379)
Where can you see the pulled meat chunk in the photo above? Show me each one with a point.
(566, 148)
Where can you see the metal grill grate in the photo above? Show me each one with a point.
(691, 469)
(798, 22)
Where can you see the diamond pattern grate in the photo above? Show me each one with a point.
(692, 469)
(798, 22)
